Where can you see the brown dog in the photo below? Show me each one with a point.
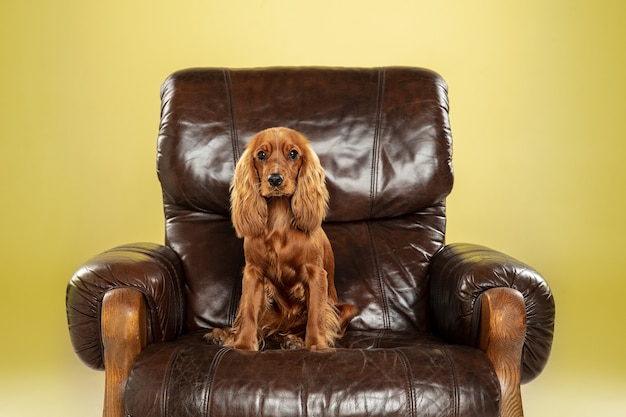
(278, 200)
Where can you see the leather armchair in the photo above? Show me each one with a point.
(443, 330)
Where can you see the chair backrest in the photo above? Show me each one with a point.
(382, 136)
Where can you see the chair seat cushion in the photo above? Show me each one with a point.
(367, 374)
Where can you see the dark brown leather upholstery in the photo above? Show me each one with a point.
(384, 140)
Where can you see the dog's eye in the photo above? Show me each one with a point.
(293, 155)
(262, 156)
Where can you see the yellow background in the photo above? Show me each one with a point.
(537, 92)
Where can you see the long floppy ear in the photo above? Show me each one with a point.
(248, 207)
(310, 201)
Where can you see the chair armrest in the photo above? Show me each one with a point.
(153, 270)
(123, 338)
(461, 273)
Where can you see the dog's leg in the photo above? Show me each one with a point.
(317, 301)
(252, 301)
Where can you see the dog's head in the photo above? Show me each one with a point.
(278, 162)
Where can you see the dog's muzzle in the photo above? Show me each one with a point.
(275, 180)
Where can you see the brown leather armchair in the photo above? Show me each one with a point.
(443, 330)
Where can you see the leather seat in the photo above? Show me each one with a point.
(369, 374)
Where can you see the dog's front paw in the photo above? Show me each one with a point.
(216, 337)
(292, 341)
(228, 338)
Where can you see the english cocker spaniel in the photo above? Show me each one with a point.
(278, 201)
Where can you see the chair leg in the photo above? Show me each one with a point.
(502, 333)
(123, 326)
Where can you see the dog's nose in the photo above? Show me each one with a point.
(275, 180)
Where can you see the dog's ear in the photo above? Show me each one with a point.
(248, 207)
(310, 200)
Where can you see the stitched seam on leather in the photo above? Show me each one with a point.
(234, 138)
(212, 369)
(409, 380)
(167, 378)
(303, 400)
(380, 94)
(378, 335)
(231, 115)
(455, 380)
(379, 279)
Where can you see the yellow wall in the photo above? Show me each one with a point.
(537, 91)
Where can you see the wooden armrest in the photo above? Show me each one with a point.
(123, 326)
(502, 333)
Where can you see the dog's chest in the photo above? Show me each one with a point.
(281, 258)
(284, 279)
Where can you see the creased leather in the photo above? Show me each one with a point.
(152, 269)
(384, 374)
(382, 135)
(383, 138)
(460, 273)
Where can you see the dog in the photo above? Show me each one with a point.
(278, 202)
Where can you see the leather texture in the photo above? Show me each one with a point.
(460, 273)
(154, 270)
(378, 374)
(383, 137)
